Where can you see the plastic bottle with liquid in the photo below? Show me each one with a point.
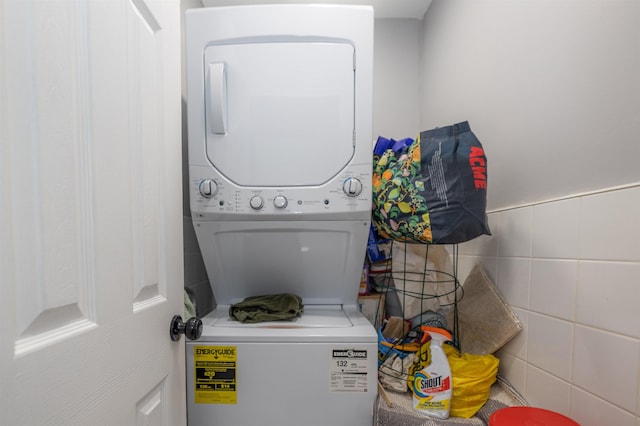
(432, 385)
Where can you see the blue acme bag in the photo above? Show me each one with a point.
(432, 190)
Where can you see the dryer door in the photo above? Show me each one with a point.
(279, 113)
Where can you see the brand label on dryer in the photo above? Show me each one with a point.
(348, 370)
(215, 379)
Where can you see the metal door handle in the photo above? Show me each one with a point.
(192, 328)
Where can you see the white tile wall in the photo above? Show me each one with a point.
(608, 296)
(514, 278)
(514, 369)
(515, 232)
(518, 345)
(556, 229)
(548, 391)
(570, 269)
(553, 287)
(609, 226)
(549, 345)
(607, 365)
(597, 412)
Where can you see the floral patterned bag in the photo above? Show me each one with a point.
(431, 190)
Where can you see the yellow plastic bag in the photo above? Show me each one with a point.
(472, 376)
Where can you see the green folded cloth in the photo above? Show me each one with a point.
(272, 307)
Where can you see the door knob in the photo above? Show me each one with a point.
(192, 328)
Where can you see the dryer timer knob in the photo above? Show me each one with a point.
(352, 187)
(208, 188)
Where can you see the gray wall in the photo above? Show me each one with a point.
(551, 88)
(396, 99)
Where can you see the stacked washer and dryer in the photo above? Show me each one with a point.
(280, 134)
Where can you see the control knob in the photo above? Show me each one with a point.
(352, 187)
(256, 202)
(208, 188)
(280, 201)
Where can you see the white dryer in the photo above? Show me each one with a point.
(280, 128)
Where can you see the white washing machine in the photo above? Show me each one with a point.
(280, 129)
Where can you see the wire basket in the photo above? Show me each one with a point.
(424, 283)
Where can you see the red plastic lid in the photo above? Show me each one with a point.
(529, 416)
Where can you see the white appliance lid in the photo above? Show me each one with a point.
(312, 317)
(317, 324)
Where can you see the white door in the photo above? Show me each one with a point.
(90, 213)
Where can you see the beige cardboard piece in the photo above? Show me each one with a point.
(486, 322)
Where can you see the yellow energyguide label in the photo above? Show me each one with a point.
(215, 375)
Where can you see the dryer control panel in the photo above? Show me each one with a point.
(215, 198)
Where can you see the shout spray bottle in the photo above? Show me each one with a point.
(432, 385)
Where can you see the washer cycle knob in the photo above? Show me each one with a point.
(208, 188)
(352, 187)
(256, 202)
